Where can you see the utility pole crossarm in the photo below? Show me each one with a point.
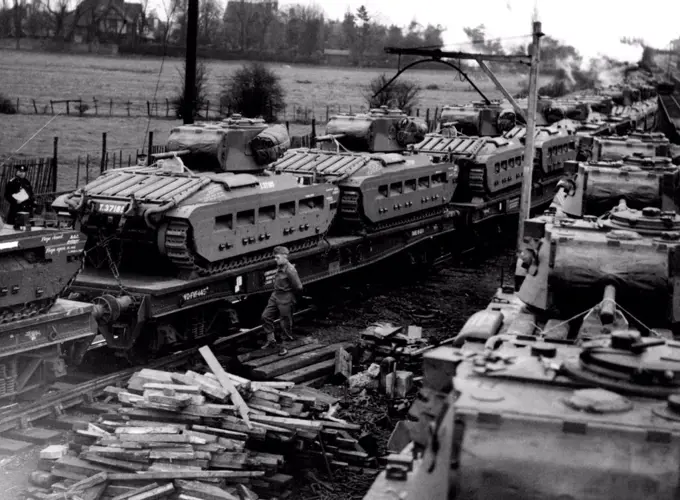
(443, 54)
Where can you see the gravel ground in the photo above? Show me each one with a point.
(439, 299)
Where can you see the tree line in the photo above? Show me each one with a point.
(253, 29)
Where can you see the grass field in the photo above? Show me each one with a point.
(33, 75)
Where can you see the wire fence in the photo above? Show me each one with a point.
(165, 109)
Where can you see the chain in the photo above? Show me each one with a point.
(112, 265)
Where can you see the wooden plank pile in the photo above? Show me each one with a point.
(384, 339)
(307, 361)
(210, 436)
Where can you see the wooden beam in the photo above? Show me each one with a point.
(226, 382)
(502, 89)
(525, 203)
(444, 54)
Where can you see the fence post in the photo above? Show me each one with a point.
(35, 108)
(327, 118)
(96, 108)
(68, 111)
(288, 127)
(148, 108)
(87, 168)
(148, 157)
(312, 139)
(207, 110)
(167, 107)
(128, 107)
(52, 106)
(55, 163)
(427, 118)
(103, 165)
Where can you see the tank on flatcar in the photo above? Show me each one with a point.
(36, 263)
(489, 167)
(478, 118)
(381, 184)
(208, 206)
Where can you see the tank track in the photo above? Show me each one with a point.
(177, 243)
(362, 226)
(23, 311)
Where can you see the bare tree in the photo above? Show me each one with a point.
(209, 21)
(59, 11)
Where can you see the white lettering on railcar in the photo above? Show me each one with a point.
(195, 294)
(110, 208)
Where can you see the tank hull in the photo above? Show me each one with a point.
(35, 266)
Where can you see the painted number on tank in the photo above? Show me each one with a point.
(267, 185)
(418, 232)
(110, 208)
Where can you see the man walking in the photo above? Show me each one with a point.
(19, 194)
(282, 301)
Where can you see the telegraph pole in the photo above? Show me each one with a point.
(190, 70)
(529, 150)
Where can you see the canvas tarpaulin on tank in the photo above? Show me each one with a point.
(411, 131)
(356, 132)
(582, 269)
(207, 147)
(604, 191)
(270, 144)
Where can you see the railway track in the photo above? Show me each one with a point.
(20, 417)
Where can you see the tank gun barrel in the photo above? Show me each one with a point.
(608, 308)
(170, 154)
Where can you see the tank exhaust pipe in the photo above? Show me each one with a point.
(608, 308)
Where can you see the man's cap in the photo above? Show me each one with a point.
(20, 168)
(281, 251)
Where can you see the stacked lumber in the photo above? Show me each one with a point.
(211, 436)
(406, 345)
(307, 360)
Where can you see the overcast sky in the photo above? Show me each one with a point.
(592, 26)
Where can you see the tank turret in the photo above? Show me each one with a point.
(478, 118)
(235, 144)
(593, 188)
(381, 130)
(225, 212)
(37, 263)
(629, 257)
